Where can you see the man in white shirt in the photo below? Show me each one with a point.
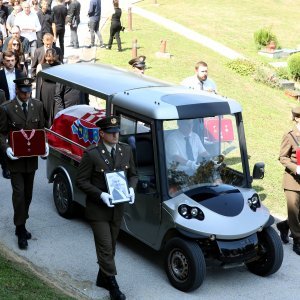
(8, 74)
(200, 81)
(185, 148)
(29, 24)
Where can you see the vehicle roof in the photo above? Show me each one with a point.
(142, 94)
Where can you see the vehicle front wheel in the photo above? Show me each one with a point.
(184, 264)
(270, 253)
(62, 196)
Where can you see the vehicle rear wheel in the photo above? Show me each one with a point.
(271, 253)
(184, 264)
(62, 196)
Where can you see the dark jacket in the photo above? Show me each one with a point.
(91, 180)
(74, 12)
(12, 118)
(95, 10)
(3, 81)
(39, 55)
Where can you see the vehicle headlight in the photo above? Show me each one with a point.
(254, 202)
(190, 212)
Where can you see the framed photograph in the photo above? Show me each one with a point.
(117, 187)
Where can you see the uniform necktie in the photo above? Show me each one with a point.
(113, 153)
(24, 107)
(189, 151)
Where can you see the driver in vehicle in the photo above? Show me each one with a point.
(185, 148)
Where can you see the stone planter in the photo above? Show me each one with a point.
(295, 94)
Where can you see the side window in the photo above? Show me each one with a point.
(97, 102)
(138, 135)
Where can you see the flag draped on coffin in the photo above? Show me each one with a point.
(76, 123)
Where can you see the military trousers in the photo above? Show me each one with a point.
(22, 186)
(105, 236)
(293, 207)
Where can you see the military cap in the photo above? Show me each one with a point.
(24, 84)
(109, 124)
(296, 111)
(138, 62)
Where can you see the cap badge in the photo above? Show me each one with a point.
(113, 121)
(26, 81)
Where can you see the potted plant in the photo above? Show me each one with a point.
(265, 38)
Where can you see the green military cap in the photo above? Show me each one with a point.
(24, 84)
(296, 111)
(109, 124)
(138, 62)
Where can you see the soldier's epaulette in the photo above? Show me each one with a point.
(123, 144)
(91, 147)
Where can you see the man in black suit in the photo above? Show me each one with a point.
(7, 76)
(73, 19)
(40, 52)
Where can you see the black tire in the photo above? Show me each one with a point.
(271, 256)
(62, 196)
(184, 264)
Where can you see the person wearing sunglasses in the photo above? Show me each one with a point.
(16, 47)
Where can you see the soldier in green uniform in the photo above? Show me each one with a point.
(23, 112)
(291, 182)
(105, 219)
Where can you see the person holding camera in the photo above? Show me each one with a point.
(115, 26)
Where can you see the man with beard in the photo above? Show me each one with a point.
(200, 81)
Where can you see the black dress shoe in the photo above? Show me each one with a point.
(101, 281)
(114, 291)
(22, 231)
(22, 242)
(6, 173)
(283, 228)
(296, 246)
(116, 294)
(27, 234)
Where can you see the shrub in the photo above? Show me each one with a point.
(283, 73)
(294, 66)
(264, 36)
(267, 76)
(243, 67)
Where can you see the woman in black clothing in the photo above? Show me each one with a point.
(45, 88)
(115, 26)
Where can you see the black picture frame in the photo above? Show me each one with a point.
(117, 186)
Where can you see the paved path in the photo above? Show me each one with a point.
(188, 33)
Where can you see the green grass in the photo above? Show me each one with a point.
(266, 111)
(233, 23)
(17, 283)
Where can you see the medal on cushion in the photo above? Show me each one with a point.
(28, 138)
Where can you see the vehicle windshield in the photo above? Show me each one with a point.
(202, 151)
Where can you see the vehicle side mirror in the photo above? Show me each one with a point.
(259, 170)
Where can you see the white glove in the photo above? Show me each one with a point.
(132, 195)
(46, 150)
(105, 198)
(192, 165)
(298, 170)
(11, 154)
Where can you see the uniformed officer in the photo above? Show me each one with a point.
(23, 112)
(290, 145)
(138, 64)
(105, 219)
